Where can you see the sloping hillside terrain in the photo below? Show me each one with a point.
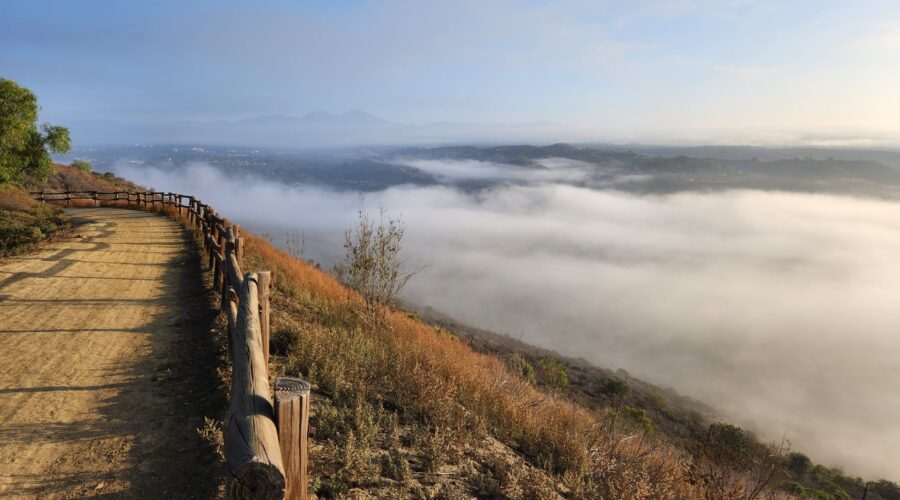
(25, 222)
(406, 407)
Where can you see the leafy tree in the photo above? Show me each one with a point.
(24, 148)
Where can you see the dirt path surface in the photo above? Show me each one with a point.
(107, 367)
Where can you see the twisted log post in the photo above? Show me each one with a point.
(252, 450)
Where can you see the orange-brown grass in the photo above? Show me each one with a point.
(15, 198)
(431, 377)
(67, 178)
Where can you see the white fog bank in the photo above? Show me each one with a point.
(780, 309)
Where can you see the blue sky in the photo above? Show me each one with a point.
(644, 69)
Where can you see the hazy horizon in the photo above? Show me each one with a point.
(700, 71)
(252, 131)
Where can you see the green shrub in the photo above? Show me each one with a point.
(22, 229)
(553, 374)
(395, 466)
(519, 365)
(284, 341)
(886, 489)
(639, 417)
(799, 463)
(372, 265)
(82, 165)
(614, 387)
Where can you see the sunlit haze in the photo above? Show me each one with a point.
(761, 72)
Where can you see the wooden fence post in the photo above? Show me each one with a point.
(212, 252)
(219, 271)
(264, 281)
(252, 448)
(292, 421)
(239, 249)
(226, 263)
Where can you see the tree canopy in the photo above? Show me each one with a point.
(24, 148)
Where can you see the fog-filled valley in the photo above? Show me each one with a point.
(774, 306)
(450, 249)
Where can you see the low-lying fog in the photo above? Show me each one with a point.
(780, 309)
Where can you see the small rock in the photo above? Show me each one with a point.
(100, 486)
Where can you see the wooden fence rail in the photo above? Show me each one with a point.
(265, 439)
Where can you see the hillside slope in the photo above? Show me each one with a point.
(406, 409)
(25, 222)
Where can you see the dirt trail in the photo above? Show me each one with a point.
(106, 364)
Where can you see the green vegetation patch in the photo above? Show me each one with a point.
(24, 222)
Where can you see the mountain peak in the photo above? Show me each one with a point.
(354, 115)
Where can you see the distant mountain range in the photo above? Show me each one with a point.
(318, 129)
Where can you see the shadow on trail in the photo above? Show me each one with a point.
(154, 416)
(60, 262)
(180, 391)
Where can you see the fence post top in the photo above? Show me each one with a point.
(290, 387)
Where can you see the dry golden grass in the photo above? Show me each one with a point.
(67, 178)
(430, 377)
(15, 198)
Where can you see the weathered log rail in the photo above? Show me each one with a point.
(265, 439)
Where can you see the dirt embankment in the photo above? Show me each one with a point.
(107, 367)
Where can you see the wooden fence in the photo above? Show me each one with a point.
(265, 440)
